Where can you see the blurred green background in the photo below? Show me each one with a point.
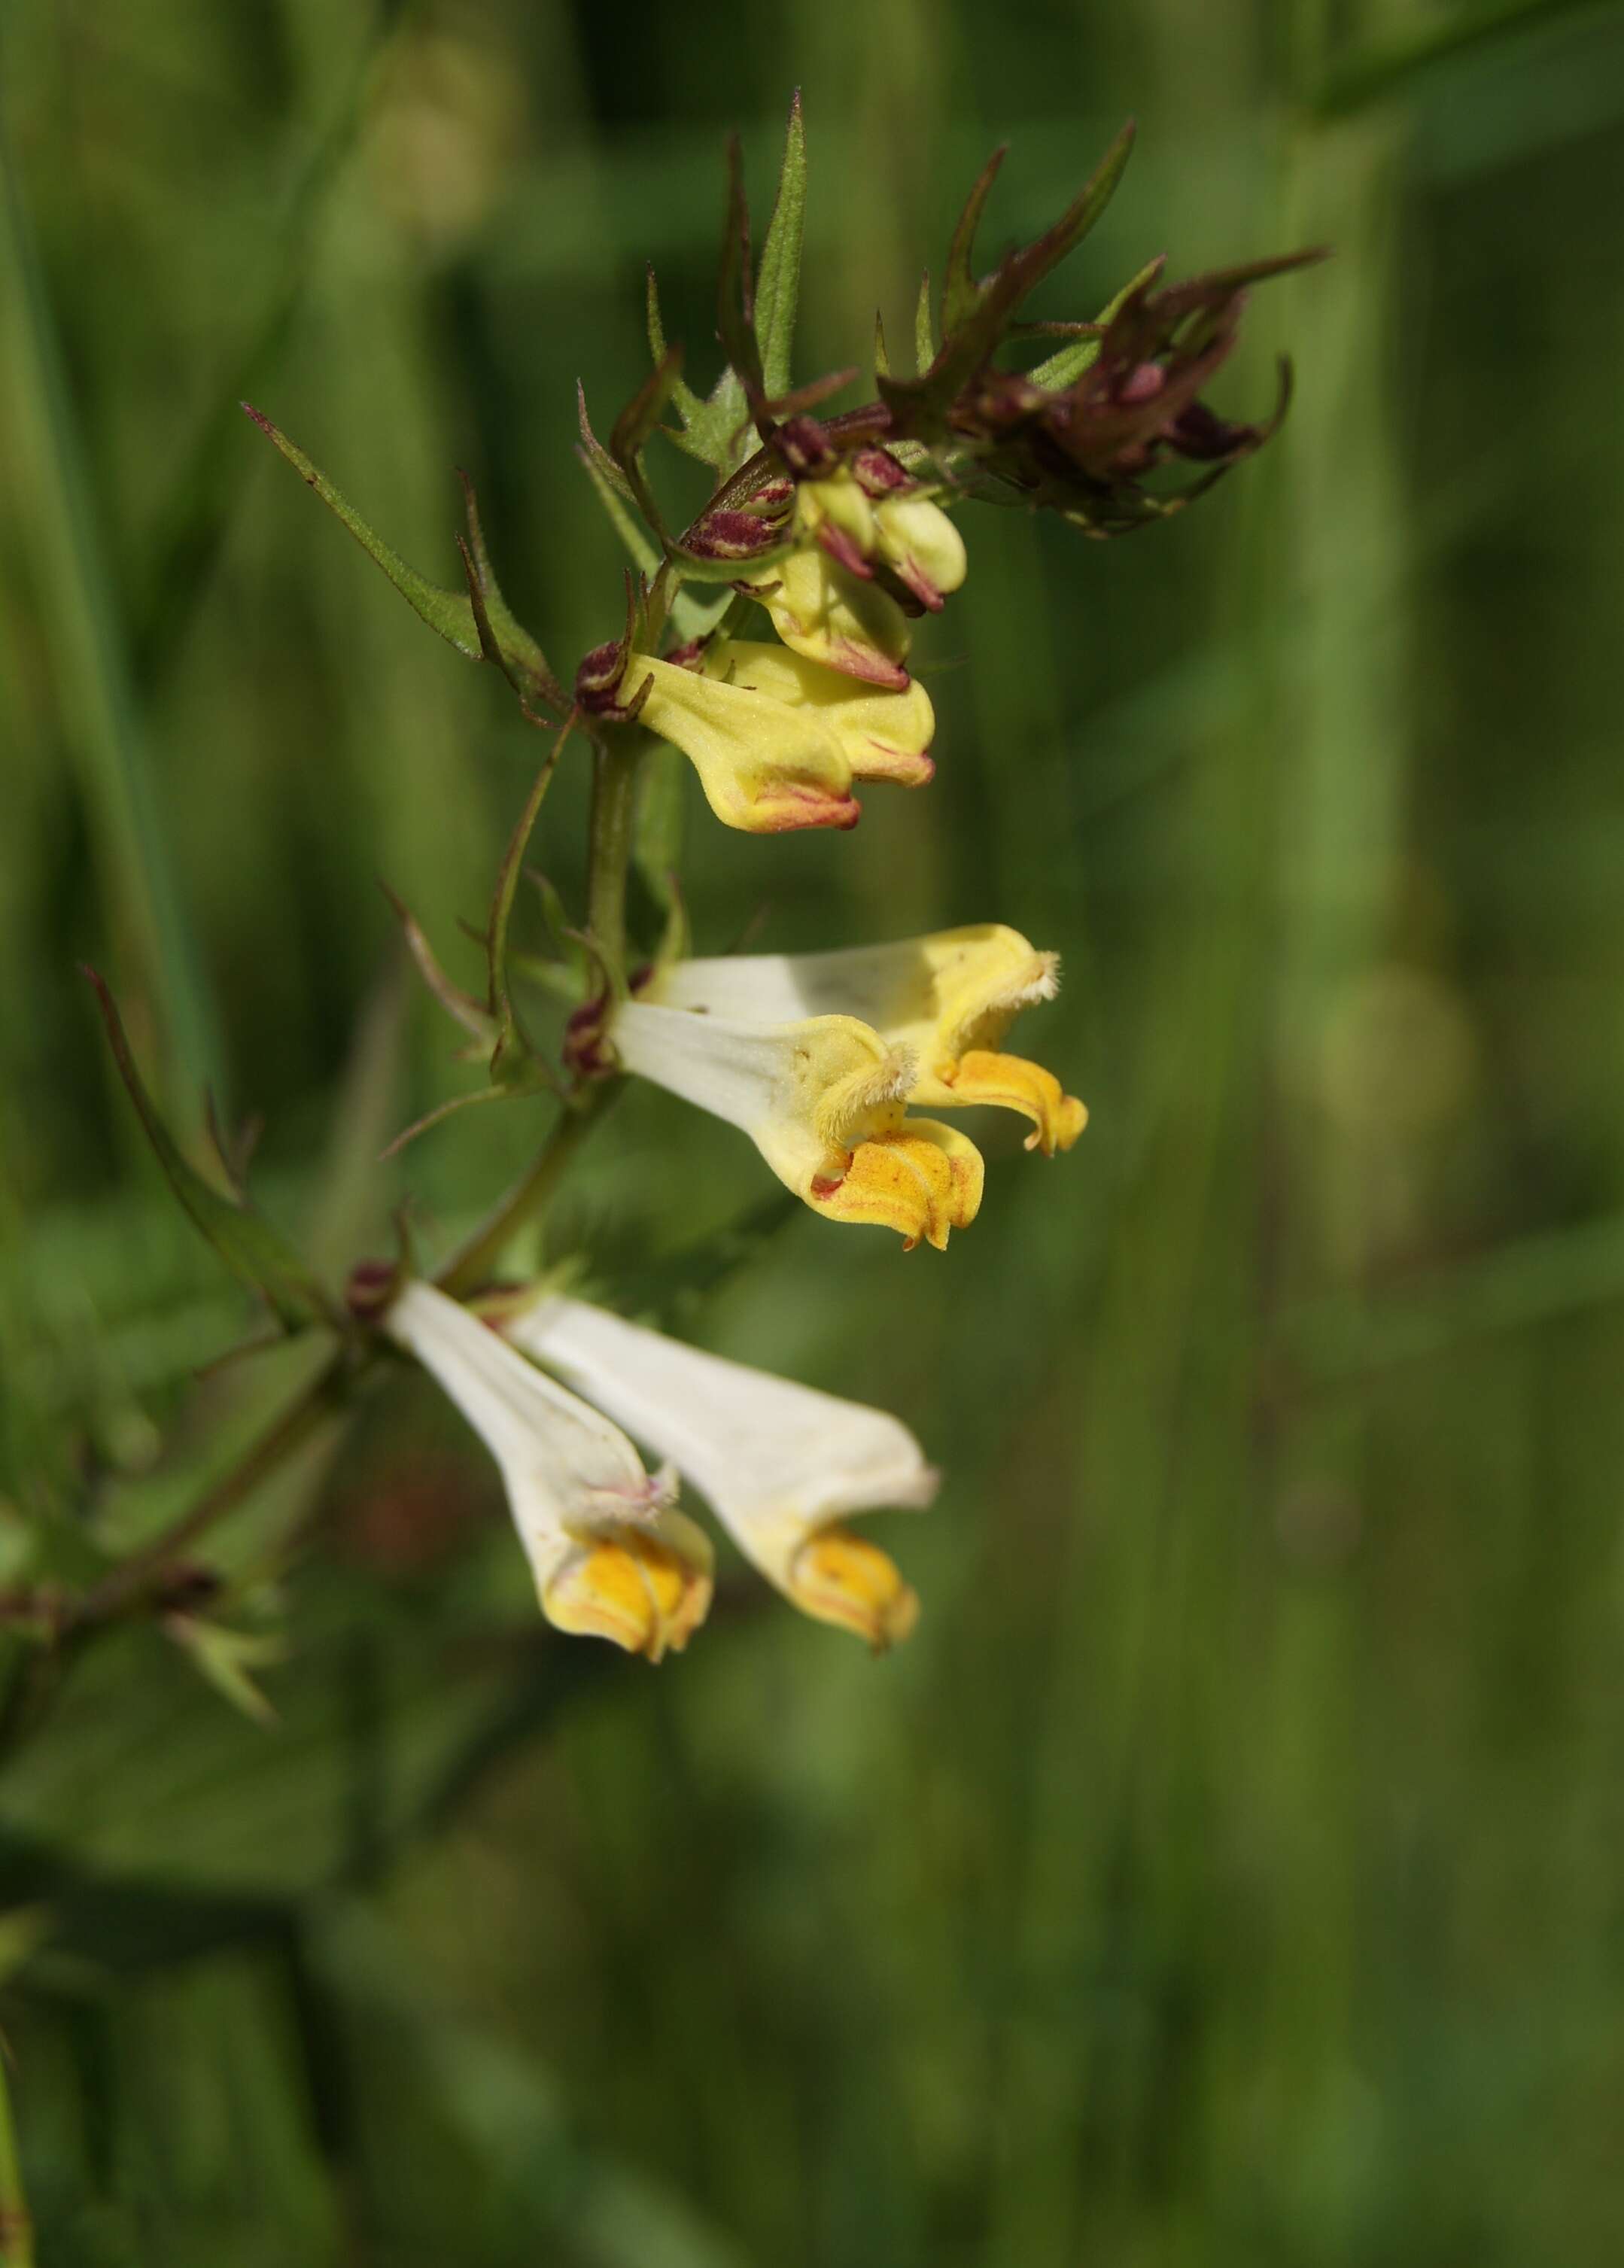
(1229, 1868)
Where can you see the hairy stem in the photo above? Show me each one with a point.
(613, 791)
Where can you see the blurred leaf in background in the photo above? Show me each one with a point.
(1229, 1870)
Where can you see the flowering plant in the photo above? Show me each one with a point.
(769, 640)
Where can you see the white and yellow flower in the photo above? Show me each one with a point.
(781, 1464)
(943, 1001)
(777, 740)
(824, 1100)
(611, 1556)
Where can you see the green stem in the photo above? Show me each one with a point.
(474, 1261)
(16, 2226)
(613, 791)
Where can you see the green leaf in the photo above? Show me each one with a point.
(690, 407)
(919, 406)
(451, 614)
(460, 1006)
(633, 429)
(613, 491)
(228, 1659)
(778, 282)
(709, 427)
(502, 640)
(250, 1247)
(959, 289)
(736, 317)
(728, 416)
(924, 328)
(1030, 266)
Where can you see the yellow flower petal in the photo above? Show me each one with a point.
(981, 978)
(882, 735)
(921, 1178)
(1010, 1081)
(836, 502)
(921, 545)
(841, 1579)
(765, 766)
(831, 615)
(634, 1588)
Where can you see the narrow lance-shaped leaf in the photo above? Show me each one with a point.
(778, 283)
(504, 641)
(712, 430)
(919, 406)
(690, 407)
(448, 612)
(735, 322)
(228, 1659)
(251, 1249)
(460, 1006)
(631, 430)
(614, 490)
(959, 291)
(924, 329)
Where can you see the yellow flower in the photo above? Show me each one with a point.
(850, 517)
(781, 1464)
(871, 510)
(830, 615)
(778, 740)
(611, 1557)
(945, 1001)
(921, 547)
(822, 1099)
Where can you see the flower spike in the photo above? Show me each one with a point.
(781, 1464)
(947, 1000)
(824, 1100)
(612, 1558)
